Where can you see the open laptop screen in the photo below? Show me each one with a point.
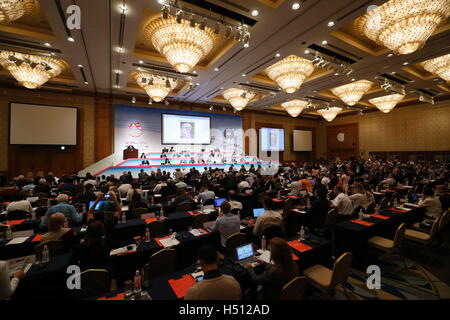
(257, 212)
(91, 203)
(244, 252)
(218, 202)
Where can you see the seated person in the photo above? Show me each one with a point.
(68, 210)
(205, 194)
(214, 286)
(267, 219)
(137, 201)
(56, 231)
(359, 197)
(182, 196)
(109, 212)
(343, 204)
(43, 187)
(319, 208)
(181, 183)
(7, 286)
(432, 205)
(226, 223)
(93, 252)
(232, 200)
(19, 204)
(295, 186)
(443, 196)
(277, 274)
(86, 196)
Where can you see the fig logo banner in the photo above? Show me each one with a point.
(135, 130)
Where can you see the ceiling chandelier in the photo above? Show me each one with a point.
(295, 107)
(290, 72)
(387, 103)
(182, 44)
(404, 25)
(329, 113)
(157, 87)
(29, 70)
(351, 93)
(238, 98)
(11, 10)
(439, 66)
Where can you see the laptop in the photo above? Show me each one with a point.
(218, 202)
(413, 197)
(257, 212)
(91, 203)
(245, 254)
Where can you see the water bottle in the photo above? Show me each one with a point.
(84, 208)
(279, 194)
(302, 233)
(147, 235)
(201, 205)
(263, 243)
(8, 233)
(124, 217)
(33, 215)
(45, 255)
(137, 282)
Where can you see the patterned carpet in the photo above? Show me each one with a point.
(397, 283)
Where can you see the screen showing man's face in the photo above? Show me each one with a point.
(187, 130)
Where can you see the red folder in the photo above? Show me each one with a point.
(150, 220)
(180, 286)
(299, 246)
(398, 210)
(15, 222)
(194, 213)
(379, 216)
(362, 222)
(37, 237)
(120, 296)
(277, 200)
(162, 238)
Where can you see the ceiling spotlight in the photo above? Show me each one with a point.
(123, 8)
(86, 82)
(393, 72)
(405, 63)
(295, 6)
(116, 86)
(80, 66)
(244, 75)
(47, 44)
(324, 42)
(390, 55)
(119, 49)
(216, 69)
(246, 45)
(331, 24)
(197, 84)
(161, 1)
(133, 100)
(179, 16)
(150, 101)
(255, 13)
(70, 39)
(194, 71)
(277, 55)
(139, 68)
(306, 51)
(141, 62)
(353, 79)
(336, 74)
(53, 54)
(166, 102)
(224, 109)
(211, 108)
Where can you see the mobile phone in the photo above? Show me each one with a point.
(199, 278)
(106, 196)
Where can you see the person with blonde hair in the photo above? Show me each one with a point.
(65, 208)
(56, 230)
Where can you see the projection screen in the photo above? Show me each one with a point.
(302, 140)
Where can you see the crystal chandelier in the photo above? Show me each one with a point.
(351, 93)
(387, 103)
(29, 70)
(11, 10)
(295, 107)
(182, 45)
(238, 98)
(329, 113)
(439, 66)
(157, 87)
(404, 25)
(290, 72)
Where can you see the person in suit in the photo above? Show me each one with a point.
(317, 213)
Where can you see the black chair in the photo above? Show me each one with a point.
(272, 232)
(17, 215)
(293, 222)
(94, 282)
(199, 220)
(157, 228)
(161, 263)
(209, 202)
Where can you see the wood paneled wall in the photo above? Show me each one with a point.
(348, 147)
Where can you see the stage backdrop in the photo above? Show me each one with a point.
(141, 127)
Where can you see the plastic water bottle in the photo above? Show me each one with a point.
(45, 255)
(147, 235)
(33, 214)
(8, 233)
(302, 233)
(137, 282)
(263, 243)
(124, 218)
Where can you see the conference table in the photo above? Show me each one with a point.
(352, 235)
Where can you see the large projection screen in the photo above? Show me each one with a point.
(302, 140)
(184, 129)
(271, 139)
(32, 124)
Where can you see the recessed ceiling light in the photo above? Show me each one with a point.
(255, 13)
(161, 1)
(405, 63)
(47, 44)
(123, 8)
(306, 51)
(331, 24)
(244, 75)
(141, 62)
(393, 72)
(70, 39)
(117, 72)
(216, 69)
(80, 66)
(86, 82)
(390, 55)
(324, 42)
(277, 55)
(119, 49)
(246, 45)
(295, 6)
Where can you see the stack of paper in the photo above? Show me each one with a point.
(123, 250)
(265, 255)
(168, 242)
(18, 240)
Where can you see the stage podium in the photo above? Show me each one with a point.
(130, 153)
